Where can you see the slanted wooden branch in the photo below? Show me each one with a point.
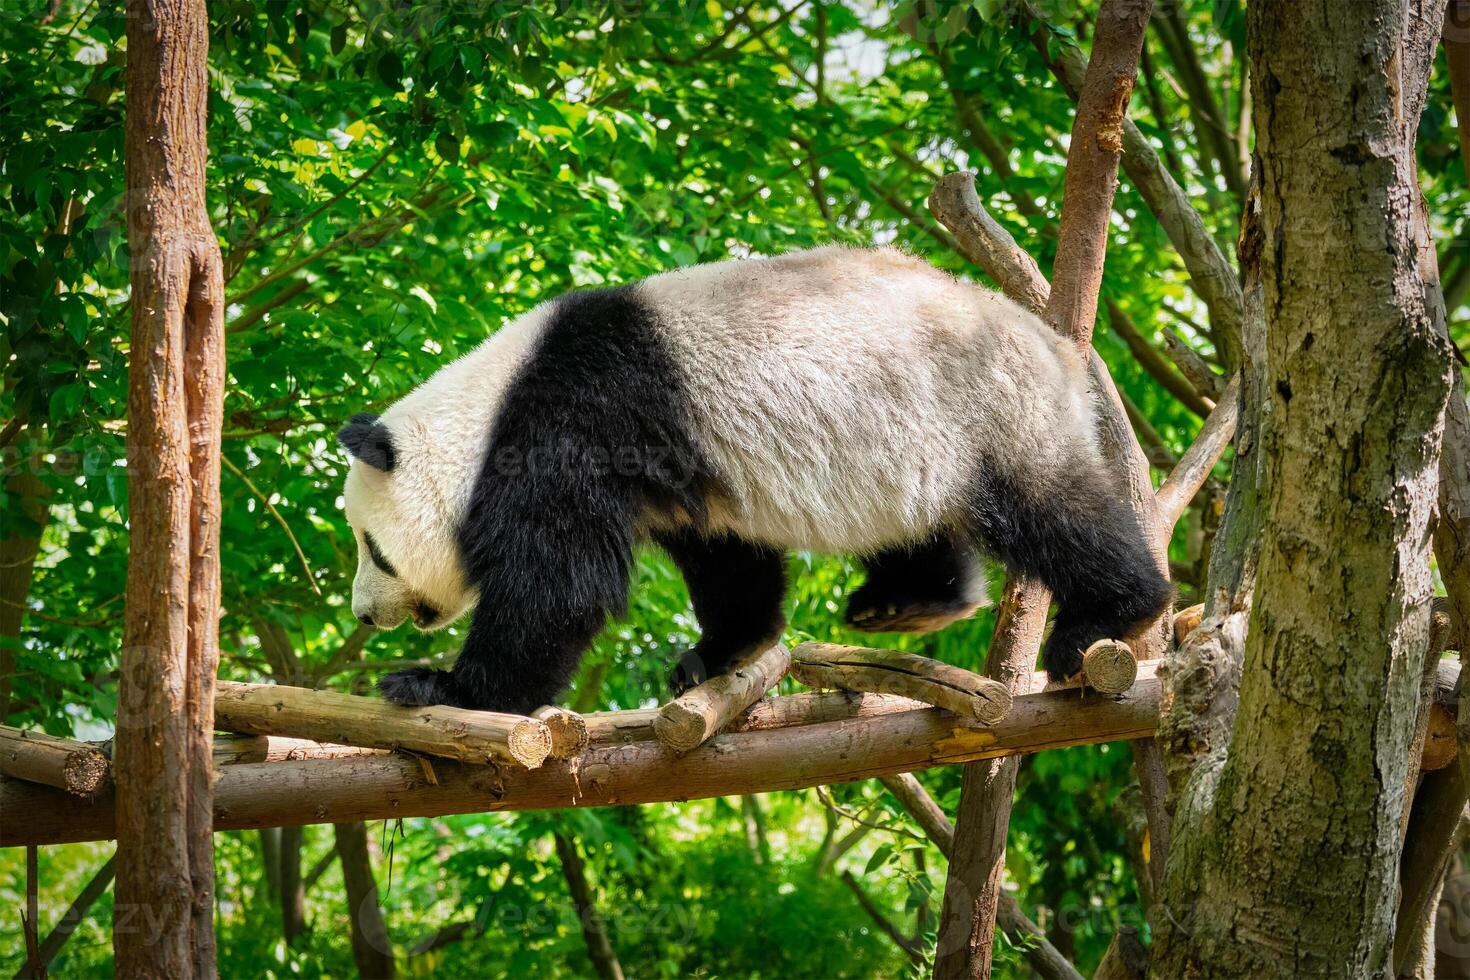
(694, 716)
(831, 665)
(76, 767)
(804, 708)
(346, 719)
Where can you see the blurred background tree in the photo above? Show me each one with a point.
(392, 181)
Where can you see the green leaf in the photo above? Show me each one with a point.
(879, 858)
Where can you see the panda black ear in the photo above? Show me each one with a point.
(368, 440)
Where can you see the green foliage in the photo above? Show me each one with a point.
(390, 183)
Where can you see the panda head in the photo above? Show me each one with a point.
(400, 500)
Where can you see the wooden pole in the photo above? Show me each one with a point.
(972, 888)
(232, 749)
(695, 715)
(73, 766)
(1045, 959)
(165, 862)
(347, 719)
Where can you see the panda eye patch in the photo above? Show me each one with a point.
(384, 565)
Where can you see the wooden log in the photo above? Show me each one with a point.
(568, 730)
(1109, 667)
(73, 766)
(802, 708)
(231, 749)
(346, 719)
(967, 694)
(292, 793)
(691, 718)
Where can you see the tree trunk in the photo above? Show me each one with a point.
(27, 504)
(293, 887)
(170, 642)
(371, 948)
(1356, 385)
(594, 929)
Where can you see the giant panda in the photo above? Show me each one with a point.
(837, 400)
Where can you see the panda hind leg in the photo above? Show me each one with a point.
(1084, 544)
(737, 589)
(919, 588)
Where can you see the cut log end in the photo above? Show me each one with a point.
(86, 771)
(1185, 622)
(529, 742)
(1109, 667)
(568, 730)
(991, 704)
(1440, 746)
(679, 727)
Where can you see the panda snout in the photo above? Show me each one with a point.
(365, 619)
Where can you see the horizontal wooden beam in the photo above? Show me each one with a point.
(783, 743)
(855, 745)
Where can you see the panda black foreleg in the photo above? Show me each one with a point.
(918, 588)
(551, 559)
(513, 660)
(737, 589)
(1084, 543)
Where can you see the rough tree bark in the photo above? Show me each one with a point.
(165, 873)
(972, 887)
(1356, 381)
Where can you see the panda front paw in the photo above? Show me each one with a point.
(419, 687)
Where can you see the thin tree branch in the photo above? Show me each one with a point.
(1044, 958)
(1211, 274)
(94, 889)
(1156, 364)
(266, 500)
(885, 925)
(594, 929)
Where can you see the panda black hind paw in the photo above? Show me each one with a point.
(1062, 663)
(689, 672)
(418, 687)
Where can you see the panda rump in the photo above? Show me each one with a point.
(834, 400)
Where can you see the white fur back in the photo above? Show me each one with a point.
(844, 395)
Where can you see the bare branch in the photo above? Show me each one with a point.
(1213, 439)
